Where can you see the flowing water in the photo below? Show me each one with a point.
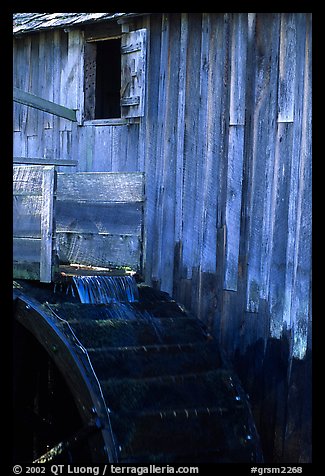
(106, 289)
(117, 291)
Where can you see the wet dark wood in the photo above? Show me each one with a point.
(29, 314)
(168, 402)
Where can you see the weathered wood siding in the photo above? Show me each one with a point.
(33, 224)
(231, 140)
(225, 144)
(54, 62)
(228, 168)
(99, 219)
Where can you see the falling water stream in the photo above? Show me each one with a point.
(117, 291)
(106, 289)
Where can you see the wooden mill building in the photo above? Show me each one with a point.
(215, 110)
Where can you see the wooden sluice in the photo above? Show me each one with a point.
(136, 380)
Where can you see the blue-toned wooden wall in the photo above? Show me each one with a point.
(225, 144)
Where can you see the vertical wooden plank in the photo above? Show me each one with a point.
(214, 144)
(180, 127)
(64, 74)
(102, 160)
(134, 148)
(279, 287)
(270, 151)
(239, 27)
(233, 205)
(264, 40)
(56, 91)
(143, 123)
(191, 186)
(118, 142)
(219, 325)
(19, 144)
(301, 297)
(159, 144)
(74, 74)
(166, 212)
(153, 80)
(201, 162)
(45, 90)
(78, 147)
(65, 149)
(41, 116)
(33, 146)
(23, 81)
(211, 163)
(75, 78)
(47, 143)
(80, 82)
(224, 98)
(249, 280)
(123, 158)
(287, 68)
(47, 224)
(48, 82)
(90, 80)
(133, 67)
(300, 22)
(142, 144)
(110, 148)
(17, 82)
(32, 127)
(88, 148)
(279, 216)
(180, 131)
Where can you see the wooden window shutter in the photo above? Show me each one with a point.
(90, 80)
(133, 73)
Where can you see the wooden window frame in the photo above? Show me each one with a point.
(133, 78)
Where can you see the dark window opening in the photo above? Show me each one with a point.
(108, 79)
(102, 79)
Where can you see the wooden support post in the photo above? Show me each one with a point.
(47, 224)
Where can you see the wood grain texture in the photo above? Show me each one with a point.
(99, 249)
(99, 218)
(287, 68)
(233, 205)
(101, 187)
(47, 224)
(260, 154)
(26, 250)
(115, 218)
(220, 87)
(33, 224)
(191, 186)
(27, 180)
(133, 77)
(27, 216)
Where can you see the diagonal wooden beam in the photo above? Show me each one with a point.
(32, 100)
(44, 161)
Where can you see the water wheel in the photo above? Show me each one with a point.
(134, 383)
